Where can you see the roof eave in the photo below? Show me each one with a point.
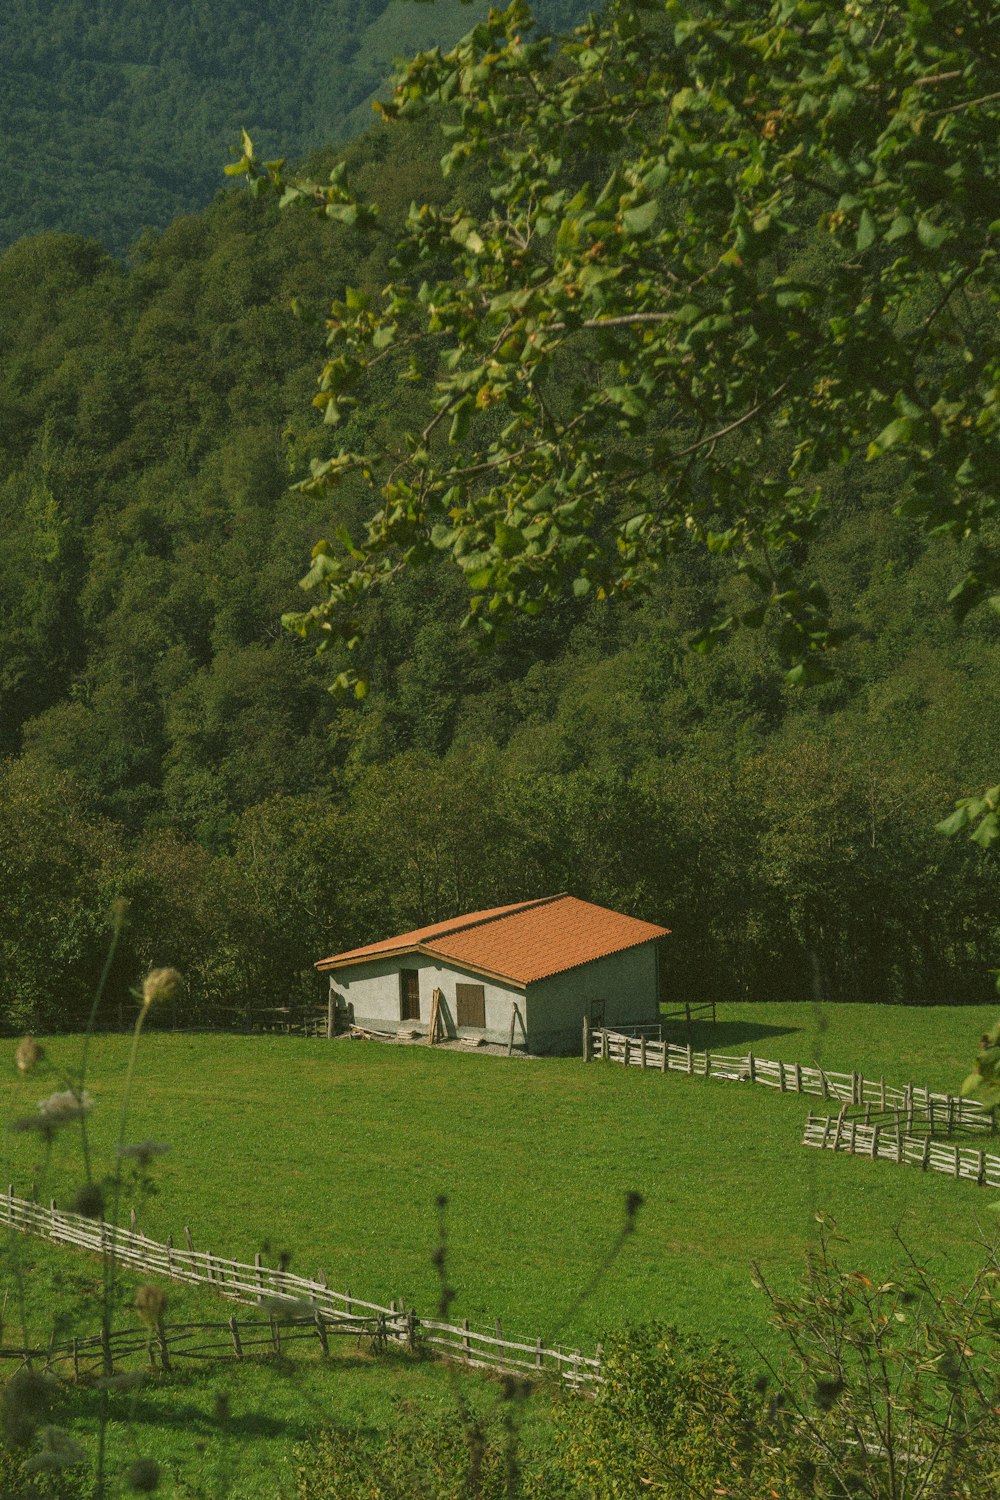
(329, 966)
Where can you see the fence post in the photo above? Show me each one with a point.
(628, 1043)
(538, 1344)
(188, 1240)
(586, 1039)
(925, 1159)
(958, 1161)
(52, 1218)
(499, 1342)
(708, 1064)
(76, 1351)
(840, 1126)
(466, 1344)
(664, 1047)
(259, 1269)
(875, 1131)
(798, 1078)
(881, 1091)
(321, 1334)
(234, 1330)
(781, 1077)
(605, 1049)
(642, 1051)
(909, 1109)
(981, 1174)
(690, 1059)
(109, 1368)
(752, 1067)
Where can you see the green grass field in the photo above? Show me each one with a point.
(334, 1153)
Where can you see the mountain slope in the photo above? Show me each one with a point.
(116, 115)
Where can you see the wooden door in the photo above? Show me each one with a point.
(470, 1004)
(409, 994)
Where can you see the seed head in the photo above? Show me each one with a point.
(89, 1201)
(28, 1054)
(160, 985)
(143, 1476)
(58, 1451)
(65, 1106)
(144, 1151)
(150, 1302)
(23, 1403)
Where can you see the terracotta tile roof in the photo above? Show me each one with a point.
(524, 942)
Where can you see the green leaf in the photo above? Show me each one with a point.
(638, 220)
(988, 832)
(932, 236)
(954, 823)
(867, 231)
(900, 226)
(898, 431)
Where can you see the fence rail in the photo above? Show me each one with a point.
(103, 1353)
(288, 1296)
(889, 1142)
(919, 1106)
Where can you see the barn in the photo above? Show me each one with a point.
(536, 968)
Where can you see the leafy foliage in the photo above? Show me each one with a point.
(715, 255)
(153, 417)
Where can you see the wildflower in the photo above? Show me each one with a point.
(58, 1451)
(143, 1476)
(150, 1302)
(89, 1201)
(144, 1151)
(160, 984)
(62, 1107)
(28, 1054)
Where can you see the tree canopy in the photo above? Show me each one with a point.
(115, 115)
(186, 752)
(706, 259)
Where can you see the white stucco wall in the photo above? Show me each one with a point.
(626, 982)
(551, 1010)
(373, 990)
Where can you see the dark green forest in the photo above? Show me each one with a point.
(171, 752)
(117, 115)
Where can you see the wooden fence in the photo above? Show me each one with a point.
(104, 1353)
(920, 1106)
(887, 1140)
(286, 1295)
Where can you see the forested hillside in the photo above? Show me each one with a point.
(169, 744)
(116, 115)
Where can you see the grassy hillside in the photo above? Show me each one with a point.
(334, 1154)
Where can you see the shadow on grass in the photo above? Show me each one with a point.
(184, 1399)
(720, 1036)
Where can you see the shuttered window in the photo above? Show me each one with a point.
(409, 994)
(470, 1004)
